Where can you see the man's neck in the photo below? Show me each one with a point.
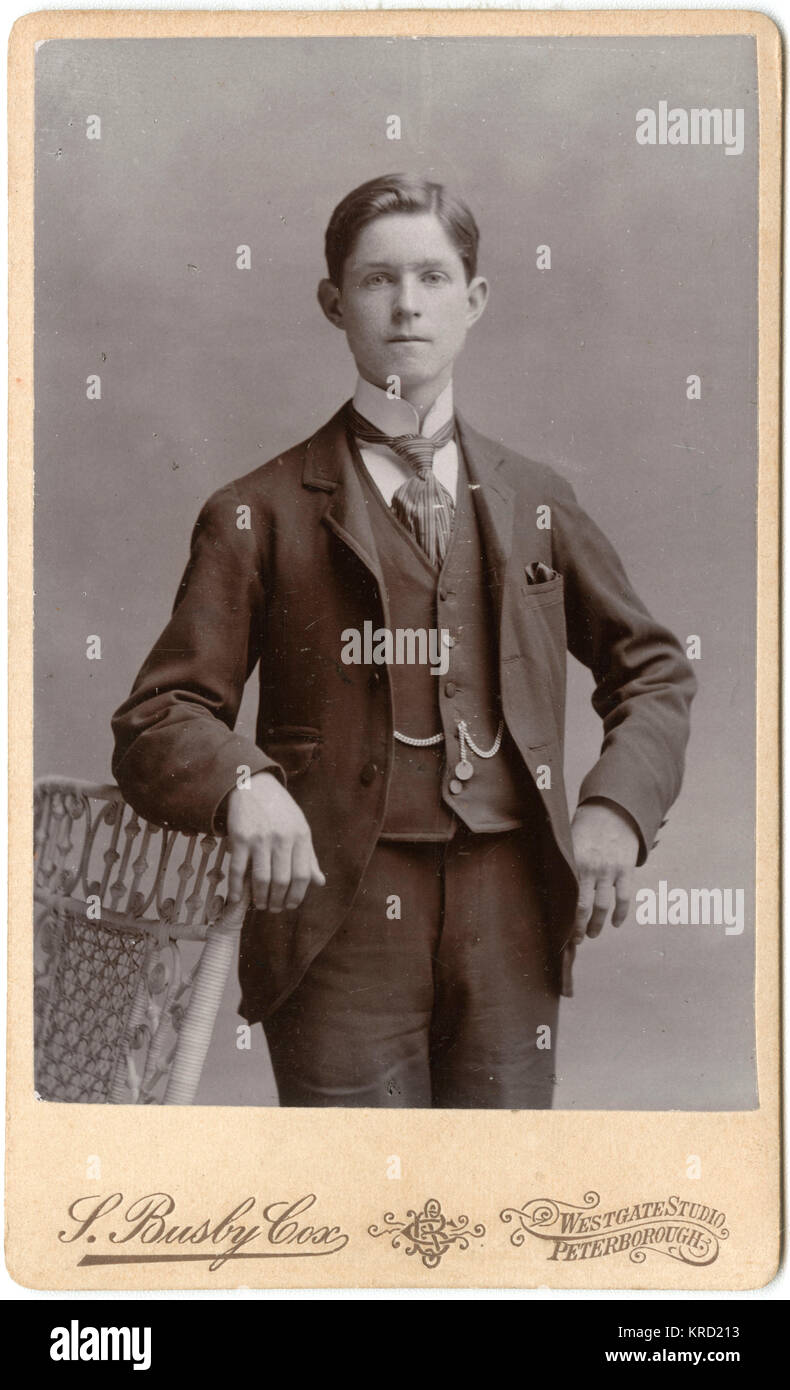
(423, 398)
(408, 411)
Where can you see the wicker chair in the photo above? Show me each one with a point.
(133, 945)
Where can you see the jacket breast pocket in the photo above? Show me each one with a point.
(294, 746)
(536, 637)
(542, 595)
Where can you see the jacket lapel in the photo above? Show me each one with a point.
(493, 499)
(329, 467)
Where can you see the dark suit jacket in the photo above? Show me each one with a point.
(279, 594)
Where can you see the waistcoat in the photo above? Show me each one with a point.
(425, 796)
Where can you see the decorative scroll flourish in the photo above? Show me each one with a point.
(428, 1233)
(122, 908)
(684, 1230)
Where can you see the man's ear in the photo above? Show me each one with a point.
(476, 299)
(329, 299)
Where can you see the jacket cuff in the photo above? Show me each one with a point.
(636, 795)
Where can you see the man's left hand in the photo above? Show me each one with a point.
(606, 848)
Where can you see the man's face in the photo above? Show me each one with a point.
(405, 304)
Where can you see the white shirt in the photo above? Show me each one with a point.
(397, 416)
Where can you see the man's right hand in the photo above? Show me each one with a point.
(269, 834)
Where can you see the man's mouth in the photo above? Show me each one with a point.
(408, 338)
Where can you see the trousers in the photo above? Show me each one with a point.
(440, 989)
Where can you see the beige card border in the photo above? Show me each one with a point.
(476, 1163)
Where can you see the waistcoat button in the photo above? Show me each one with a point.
(368, 773)
(450, 689)
(456, 786)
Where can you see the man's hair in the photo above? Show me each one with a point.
(398, 193)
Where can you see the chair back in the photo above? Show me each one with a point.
(133, 943)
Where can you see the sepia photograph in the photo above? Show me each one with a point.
(395, 572)
(394, 708)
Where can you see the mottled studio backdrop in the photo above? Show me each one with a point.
(208, 370)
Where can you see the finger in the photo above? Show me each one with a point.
(300, 875)
(623, 892)
(239, 859)
(316, 874)
(583, 907)
(601, 904)
(261, 876)
(281, 877)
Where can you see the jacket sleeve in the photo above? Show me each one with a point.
(176, 756)
(644, 684)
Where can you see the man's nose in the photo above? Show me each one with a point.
(406, 301)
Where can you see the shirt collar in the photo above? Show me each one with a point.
(396, 416)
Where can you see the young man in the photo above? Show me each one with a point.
(408, 590)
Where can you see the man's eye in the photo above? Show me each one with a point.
(434, 277)
(378, 279)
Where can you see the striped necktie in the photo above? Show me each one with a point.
(423, 505)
